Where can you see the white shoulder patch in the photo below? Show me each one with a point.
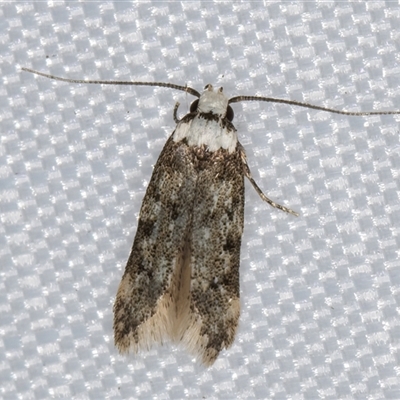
(209, 127)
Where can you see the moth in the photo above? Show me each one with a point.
(181, 281)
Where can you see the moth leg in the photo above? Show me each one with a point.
(259, 191)
(176, 119)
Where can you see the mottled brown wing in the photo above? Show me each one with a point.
(217, 226)
(144, 309)
(182, 277)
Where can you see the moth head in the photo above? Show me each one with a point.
(214, 102)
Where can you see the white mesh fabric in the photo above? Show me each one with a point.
(319, 293)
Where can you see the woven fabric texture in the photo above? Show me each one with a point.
(320, 293)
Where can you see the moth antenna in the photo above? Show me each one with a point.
(306, 105)
(126, 83)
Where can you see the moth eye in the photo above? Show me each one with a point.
(220, 90)
(208, 87)
(229, 114)
(193, 106)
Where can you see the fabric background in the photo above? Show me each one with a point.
(320, 293)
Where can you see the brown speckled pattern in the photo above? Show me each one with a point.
(194, 205)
